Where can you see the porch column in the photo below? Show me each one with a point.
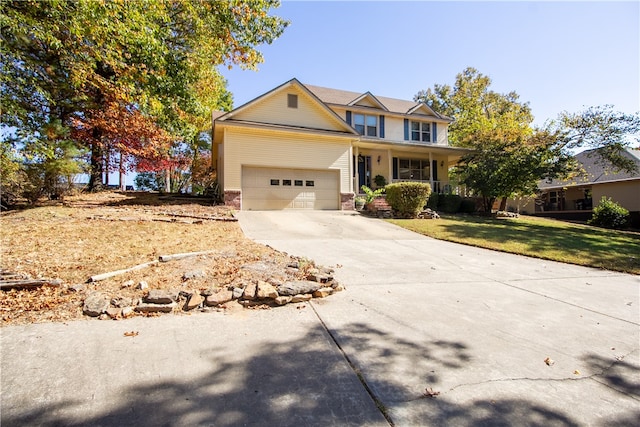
(356, 179)
(431, 172)
(390, 157)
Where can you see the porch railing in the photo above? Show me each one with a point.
(440, 187)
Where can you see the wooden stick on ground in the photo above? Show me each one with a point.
(5, 285)
(166, 258)
(103, 276)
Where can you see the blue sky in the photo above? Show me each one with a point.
(558, 56)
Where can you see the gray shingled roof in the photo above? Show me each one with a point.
(344, 97)
(598, 170)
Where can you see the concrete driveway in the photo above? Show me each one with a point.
(472, 328)
(424, 317)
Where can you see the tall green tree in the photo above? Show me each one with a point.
(510, 156)
(155, 61)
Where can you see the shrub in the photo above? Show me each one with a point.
(370, 194)
(609, 214)
(432, 203)
(407, 198)
(380, 181)
(449, 203)
(468, 205)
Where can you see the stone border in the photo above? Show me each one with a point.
(319, 283)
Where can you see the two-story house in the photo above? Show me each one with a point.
(307, 147)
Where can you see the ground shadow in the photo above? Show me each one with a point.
(297, 383)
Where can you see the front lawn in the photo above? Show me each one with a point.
(538, 237)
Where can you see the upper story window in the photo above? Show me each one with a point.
(365, 124)
(421, 131)
(292, 100)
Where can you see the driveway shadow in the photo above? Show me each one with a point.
(296, 383)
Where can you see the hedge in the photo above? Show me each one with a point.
(407, 199)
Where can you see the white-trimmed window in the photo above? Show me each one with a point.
(421, 131)
(365, 124)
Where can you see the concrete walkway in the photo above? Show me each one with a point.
(419, 316)
(473, 325)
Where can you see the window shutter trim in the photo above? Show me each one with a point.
(434, 133)
(381, 126)
(406, 129)
(349, 118)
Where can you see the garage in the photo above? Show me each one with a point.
(276, 189)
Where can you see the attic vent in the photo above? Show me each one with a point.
(292, 101)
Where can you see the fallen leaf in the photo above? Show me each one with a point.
(131, 334)
(576, 372)
(429, 392)
(549, 361)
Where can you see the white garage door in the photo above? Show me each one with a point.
(275, 189)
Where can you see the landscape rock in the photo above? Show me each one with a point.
(193, 274)
(338, 287)
(159, 296)
(127, 284)
(237, 293)
(120, 302)
(220, 297)
(283, 300)
(114, 312)
(266, 290)
(323, 292)
(127, 311)
(194, 301)
(250, 291)
(301, 298)
(155, 308)
(78, 287)
(142, 285)
(95, 304)
(298, 287)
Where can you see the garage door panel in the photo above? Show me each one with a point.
(275, 189)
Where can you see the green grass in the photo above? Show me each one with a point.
(538, 237)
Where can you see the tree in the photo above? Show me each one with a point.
(603, 128)
(150, 63)
(479, 113)
(509, 156)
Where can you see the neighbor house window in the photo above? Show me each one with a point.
(275, 182)
(421, 131)
(292, 101)
(365, 125)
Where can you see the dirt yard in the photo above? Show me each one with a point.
(92, 234)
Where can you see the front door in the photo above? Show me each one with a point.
(364, 171)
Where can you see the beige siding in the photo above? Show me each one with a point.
(394, 128)
(283, 150)
(273, 109)
(625, 193)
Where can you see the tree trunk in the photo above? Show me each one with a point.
(167, 180)
(95, 174)
(123, 186)
(503, 204)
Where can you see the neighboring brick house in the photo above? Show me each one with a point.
(307, 147)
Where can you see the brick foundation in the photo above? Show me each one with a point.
(347, 201)
(233, 199)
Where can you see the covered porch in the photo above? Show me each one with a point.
(376, 165)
